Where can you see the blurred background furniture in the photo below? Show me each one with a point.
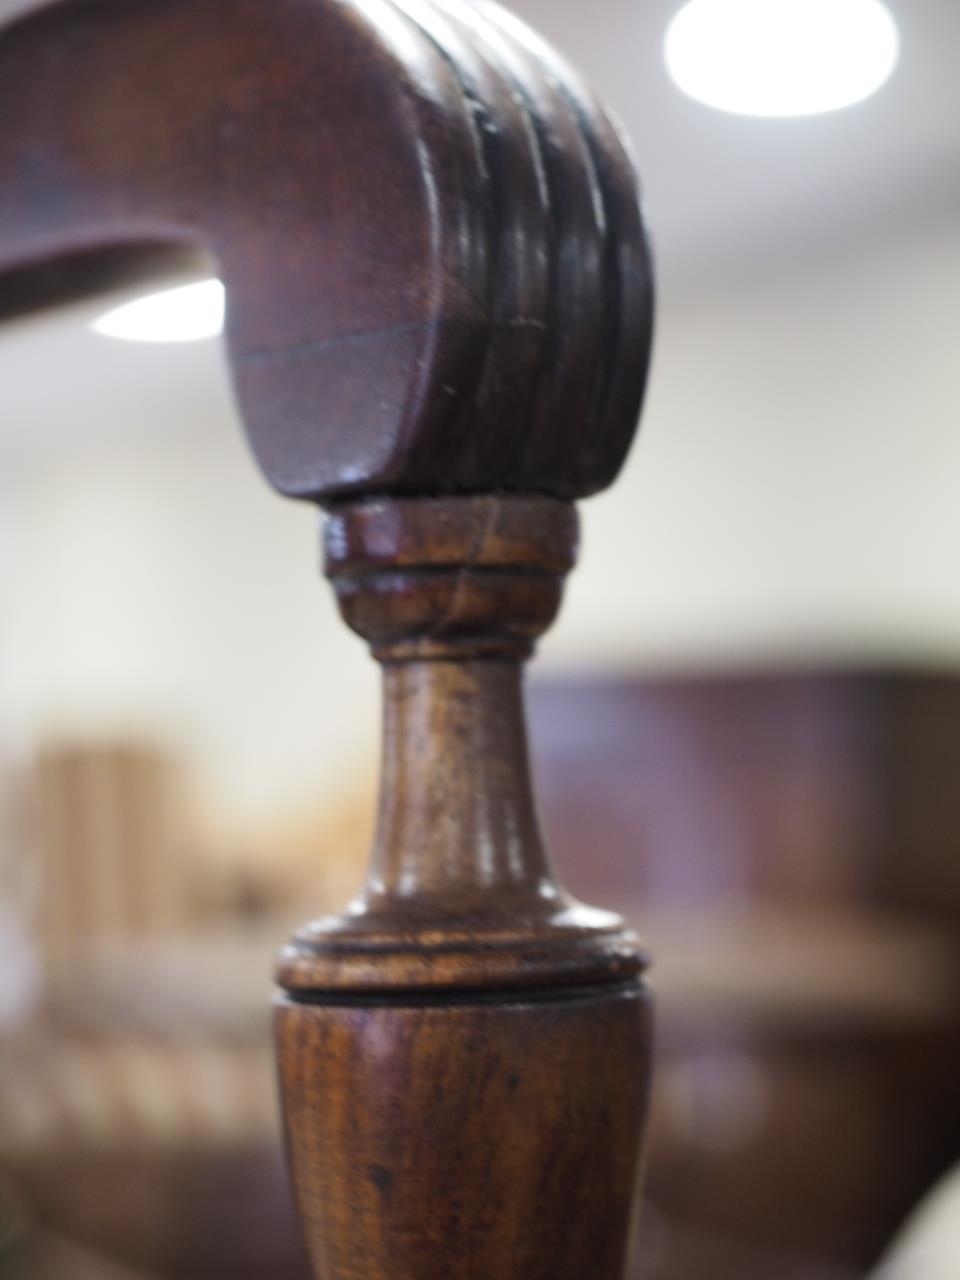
(809, 1042)
(788, 841)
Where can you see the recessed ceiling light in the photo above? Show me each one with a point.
(184, 314)
(781, 57)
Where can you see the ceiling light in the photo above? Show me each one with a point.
(781, 57)
(184, 314)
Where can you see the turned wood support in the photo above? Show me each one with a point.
(452, 594)
(464, 1051)
(439, 316)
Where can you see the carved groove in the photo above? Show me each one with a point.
(470, 227)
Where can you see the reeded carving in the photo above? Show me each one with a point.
(438, 279)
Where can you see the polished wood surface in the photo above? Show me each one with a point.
(452, 594)
(436, 268)
(439, 317)
(486, 1136)
(464, 1052)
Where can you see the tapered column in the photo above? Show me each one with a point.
(464, 1054)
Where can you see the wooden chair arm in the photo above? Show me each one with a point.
(439, 316)
(436, 271)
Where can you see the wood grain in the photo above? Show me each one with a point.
(439, 319)
(436, 268)
(464, 1052)
(494, 1136)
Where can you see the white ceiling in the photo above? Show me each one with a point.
(725, 190)
(727, 196)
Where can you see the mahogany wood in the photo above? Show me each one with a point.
(464, 1052)
(439, 316)
(437, 273)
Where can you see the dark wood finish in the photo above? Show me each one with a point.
(436, 269)
(439, 313)
(808, 785)
(464, 986)
(493, 1136)
(452, 594)
(790, 839)
(74, 277)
